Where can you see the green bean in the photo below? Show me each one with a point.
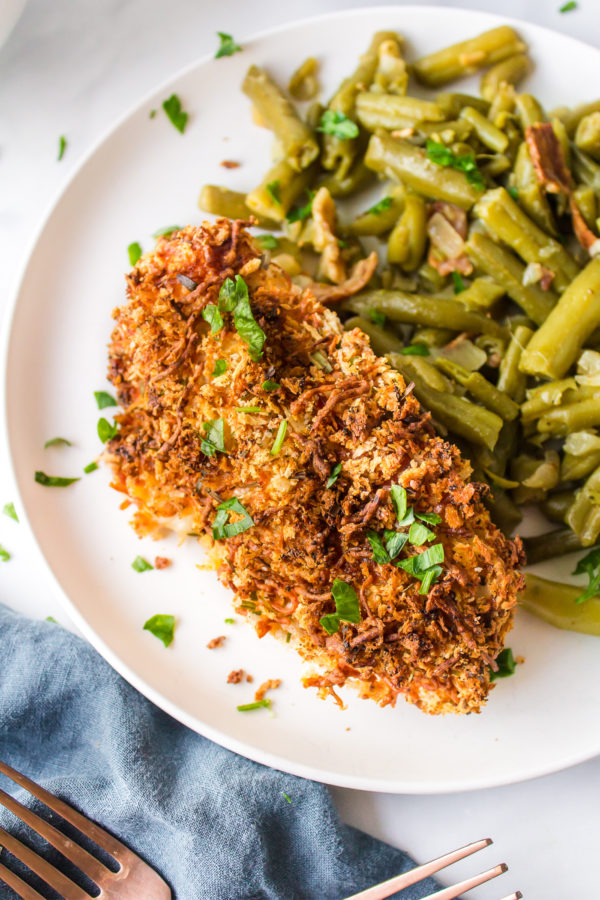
(407, 241)
(574, 467)
(304, 84)
(495, 165)
(504, 513)
(357, 178)
(556, 506)
(402, 161)
(502, 107)
(510, 379)
(550, 545)
(571, 417)
(587, 135)
(532, 197)
(528, 110)
(485, 130)
(545, 396)
(297, 140)
(220, 201)
(468, 56)
(391, 111)
(472, 422)
(563, 139)
(480, 389)
(511, 71)
(584, 513)
(505, 269)
(481, 294)
(572, 117)
(585, 169)
(557, 605)
(279, 190)
(430, 279)
(432, 337)
(377, 223)
(339, 154)
(556, 344)
(391, 75)
(419, 309)
(585, 198)
(452, 103)
(447, 132)
(382, 339)
(507, 222)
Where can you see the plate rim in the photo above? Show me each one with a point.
(236, 745)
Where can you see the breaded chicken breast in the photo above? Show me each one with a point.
(334, 510)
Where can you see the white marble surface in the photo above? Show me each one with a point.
(72, 67)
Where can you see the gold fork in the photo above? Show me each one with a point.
(392, 885)
(133, 879)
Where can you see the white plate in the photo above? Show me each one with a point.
(144, 175)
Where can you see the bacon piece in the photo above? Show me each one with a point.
(270, 685)
(360, 276)
(216, 642)
(162, 562)
(236, 676)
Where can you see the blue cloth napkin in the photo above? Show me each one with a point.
(215, 825)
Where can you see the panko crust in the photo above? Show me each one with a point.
(437, 648)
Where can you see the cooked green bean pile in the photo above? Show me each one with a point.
(487, 295)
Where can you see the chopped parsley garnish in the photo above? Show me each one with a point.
(270, 385)
(408, 518)
(378, 208)
(418, 565)
(506, 665)
(10, 511)
(265, 703)
(458, 283)
(229, 621)
(335, 474)
(135, 252)
(211, 314)
(91, 467)
(320, 360)
(152, 113)
(513, 192)
(289, 799)
(51, 619)
(175, 114)
(166, 231)
(222, 528)
(465, 162)
(399, 499)
(272, 189)
(267, 241)
(62, 146)
(346, 607)
(141, 565)
(303, 212)
(280, 437)
(215, 437)
(227, 47)
(234, 297)
(566, 7)
(430, 518)
(419, 534)
(106, 431)
(162, 627)
(394, 542)
(249, 409)
(429, 578)
(4, 554)
(220, 368)
(380, 554)
(53, 480)
(378, 318)
(104, 399)
(339, 125)
(188, 283)
(415, 350)
(590, 566)
(56, 442)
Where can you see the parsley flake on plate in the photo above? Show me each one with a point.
(227, 47)
(91, 467)
(265, 703)
(62, 146)
(141, 565)
(335, 474)
(589, 565)
(57, 442)
(135, 252)
(507, 665)
(9, 510)
(347, 608)
(568, 7)
(53, 480)
(166, 230)
(176, 115)
(4, 554)
(229, 621)
(162, 627)
(288, 799)
(222, 528)
(337, 124)
(106, 431)
(104, 399)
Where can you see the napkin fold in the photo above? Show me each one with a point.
(215, 825)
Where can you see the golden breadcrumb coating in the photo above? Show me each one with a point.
(343, 406)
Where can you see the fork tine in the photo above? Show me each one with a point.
(387, 888)
(20, 888)
(88, 864)
(451, 893)
(101, 837)
(67, 888)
